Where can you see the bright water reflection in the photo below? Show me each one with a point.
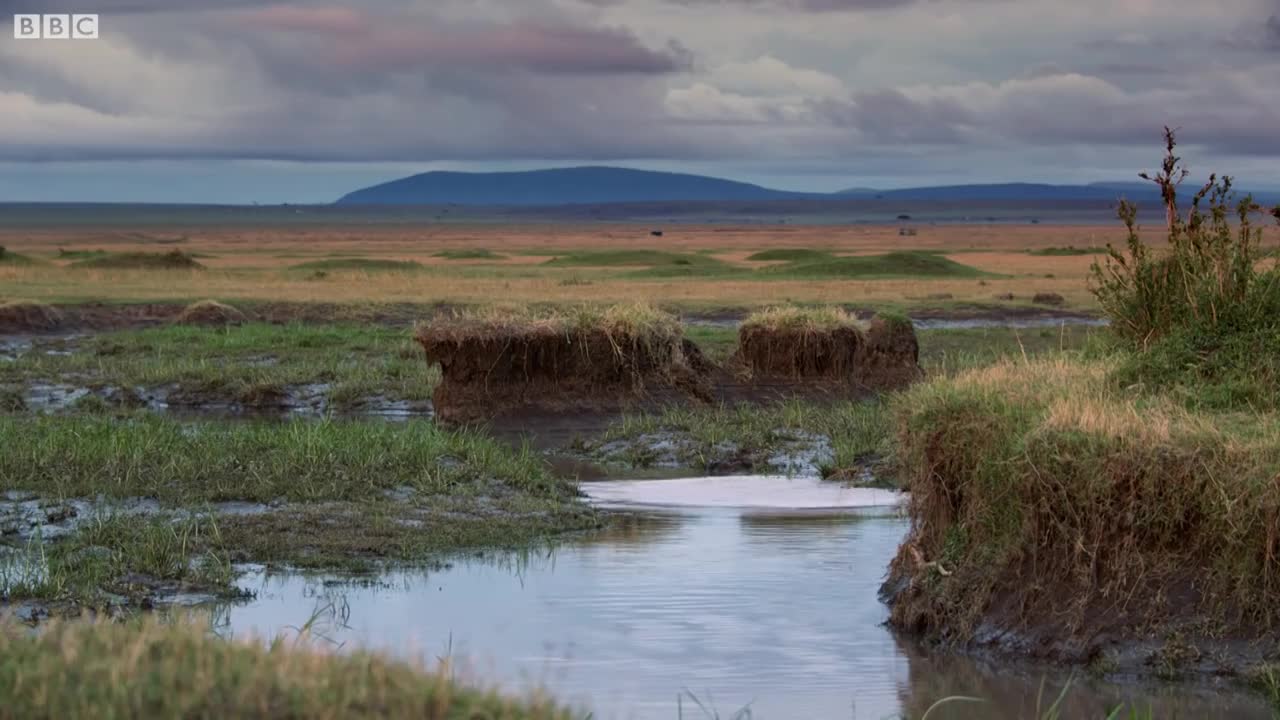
(777, 612)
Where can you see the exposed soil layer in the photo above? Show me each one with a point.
(212, 313)
(843, 359)
(486, 373)
(23, 316)
(490, 373)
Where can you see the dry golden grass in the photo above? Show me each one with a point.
(254, 264)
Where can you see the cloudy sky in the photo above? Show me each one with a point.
(303, 100)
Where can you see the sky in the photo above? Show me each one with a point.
(240, 101)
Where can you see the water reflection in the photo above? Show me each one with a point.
(778, 613)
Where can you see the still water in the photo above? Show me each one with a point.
(777, 614)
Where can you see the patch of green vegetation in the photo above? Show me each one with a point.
(950, 350)
(355, 361)
(633, 320)
(1069, 250)
(905, 264)
(789, 255)
(470, 254)
(114, 560)
(359, 265)
(154, 668)
(174, 260)
(13, 259)
(1203, 319)
(859, 431)
(347, 495)
(65, 254)
(624, 258)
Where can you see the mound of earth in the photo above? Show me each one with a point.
(494, 369)
(27, 316)
(883, 355)
(210, 312)
(174, 260)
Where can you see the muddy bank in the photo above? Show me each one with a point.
(1055, 519)
(495, 369)
(490, 369)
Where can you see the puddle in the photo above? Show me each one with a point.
(748, 493)
(780, 614)
(25, 516)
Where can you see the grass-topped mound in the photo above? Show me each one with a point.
(905, 264)
(789, 255)
(499, 361)
(829, 345)
(28, 316)
(359, 265)
(211, 313)
(633, 258)
(13, 259)
(470, 254)
(1056, 514)
(1068, 251)
(174, 260)
(153, 668)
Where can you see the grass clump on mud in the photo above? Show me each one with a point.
(1048, 503)
(210, 312)
(789, 255)
(359, 265)
(588, 358)
(633, 258)
(254, 365)
(29, 316)
(902, 264)
(154, 668)
(13, 259)
(324, 494)
(470, 254)
(173, 260)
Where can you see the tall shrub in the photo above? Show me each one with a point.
(1208, 278)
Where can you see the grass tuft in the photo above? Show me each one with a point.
(359, 265)
(174, 260)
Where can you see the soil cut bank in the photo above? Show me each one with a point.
(501, 367)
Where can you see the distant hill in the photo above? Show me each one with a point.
(564, 186)
(611, 186)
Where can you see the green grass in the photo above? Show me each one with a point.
(632, 258)
(470, 254)
(13, 259)
(174, 260)
(905, 264)
(789, 255)
(153, 668)
(344, 494)
(359, 265)
(229, 365)
(115, 559)
(64, 254)
(859, 430)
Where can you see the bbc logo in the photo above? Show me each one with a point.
(55, 27)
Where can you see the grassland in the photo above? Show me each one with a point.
(179, 669)
(693, 267)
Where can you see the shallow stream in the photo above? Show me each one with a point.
(772, 609)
